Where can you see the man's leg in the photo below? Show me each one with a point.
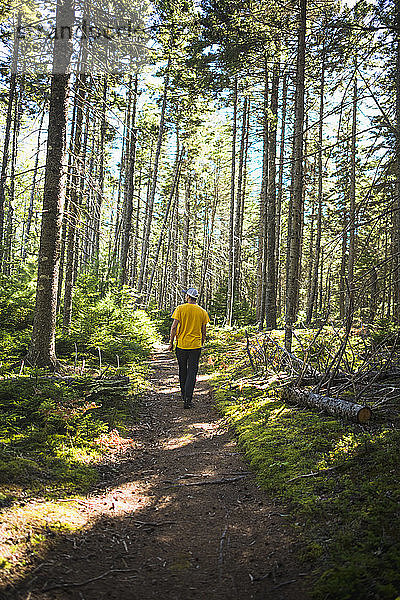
(181, 355)
(192, 368)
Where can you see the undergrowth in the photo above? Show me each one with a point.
(54, 434)
(340, 479)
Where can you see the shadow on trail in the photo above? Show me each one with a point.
(163, 530)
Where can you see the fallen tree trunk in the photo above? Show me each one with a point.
(332, 406)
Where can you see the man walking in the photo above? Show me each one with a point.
(189, 327)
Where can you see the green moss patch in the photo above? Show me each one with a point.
(341, 480)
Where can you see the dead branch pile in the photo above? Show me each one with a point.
(344, 375)
(94, 387)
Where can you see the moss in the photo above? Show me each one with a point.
(347, 506)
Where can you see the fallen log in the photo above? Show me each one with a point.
(332, 406)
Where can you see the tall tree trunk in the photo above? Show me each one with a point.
(270, 275)
(164, 224)
(262, 236)
(9, 230)
(174, 228)
(396, 261)
(238, 209)
(135, 243)
(280, 191)
(242, 208)
(101, 176)
(352, 209)
(28, 224)
(150, 201)
(7, 137)
(130, 183)
(186, 234)
(294, 237)
(75, 200)
(317, 247)
(230, 288)
(42, 348)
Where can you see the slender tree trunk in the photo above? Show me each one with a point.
(317, 247)
(238, 210)
(100, 194)
(9, 230)
(262, 256)
(352, 209)
(396, 261)
(150, 202)
(7, 137)
(135, 243)
(42, 348)
(242, 209)
(230, 289)
(28, 225)
(126, 237)
(270, 276)
(164, 224)
(280, 192)
(297, 185)
(174, 232)
(186, 234)
(75, 201)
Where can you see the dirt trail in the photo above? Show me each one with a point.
(161, 529)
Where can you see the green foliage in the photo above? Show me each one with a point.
(16, 303)
(110, 324)
(162, 320)
(348, 507)
(16, 316)
(243, 312)
(49, 431)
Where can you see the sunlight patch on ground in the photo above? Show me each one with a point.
(121, 500)
(169, 390)
(204, 426)
(24, 529)
(204, 377)
(208, 429)
(178, 442)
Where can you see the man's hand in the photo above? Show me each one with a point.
(172, 335)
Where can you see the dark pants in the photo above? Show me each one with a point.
(188, 361)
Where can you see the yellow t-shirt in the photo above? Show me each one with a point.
(191, 318)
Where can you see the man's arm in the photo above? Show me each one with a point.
(203, 333)
(172, 335)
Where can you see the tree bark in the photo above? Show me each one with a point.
(352, 208)
(126, 237)
(280, 192)
(99, 196)
(333, 406)
(75, 201)
(230, 298)
(238, 211)
(28, 224)
(262, 236)
(270, 279)
(42, 348)
(150, 202)
(317, 247)
(294, 238)
(7, 137)
(186, 234)
(164, 224)
(396, 261)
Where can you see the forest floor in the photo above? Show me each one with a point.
(178, 516)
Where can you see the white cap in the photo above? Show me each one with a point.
(192, 292)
